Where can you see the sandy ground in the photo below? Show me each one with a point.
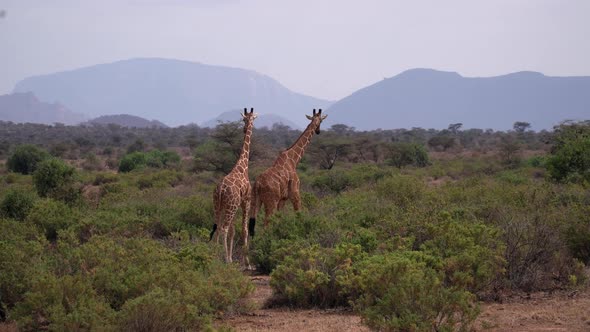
(567, 311)
(288, 319)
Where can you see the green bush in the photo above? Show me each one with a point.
(122, 284)
(55, 178)
(17, 204)
(311, 276)
(154, 159)
(404, 154)
(131, 161)
(51, 216)
(570, 156)
(62, 303)
(289, 232)
(471, 253)
(25, 158)
(401, 291)
(22, 251)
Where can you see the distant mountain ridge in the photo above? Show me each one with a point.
(263, 120)
(25, 107)
(177, 92)
(429, 98)
(126, 120)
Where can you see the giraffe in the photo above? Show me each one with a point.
(233, 192)
(280, 182)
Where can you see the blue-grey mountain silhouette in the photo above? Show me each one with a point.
(126, 120)
(263, 120)
(25, 107)
(176, 92)
(433, 99)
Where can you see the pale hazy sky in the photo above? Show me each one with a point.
(323, 48)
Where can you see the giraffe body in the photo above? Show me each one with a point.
(280, 183)
(233, 193)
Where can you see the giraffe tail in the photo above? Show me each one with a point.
(212, 232)
(254, 207)
(217, 209)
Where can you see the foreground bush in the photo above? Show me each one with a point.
(312, 276)
(122, 284)
(403, 292)
(25, 158)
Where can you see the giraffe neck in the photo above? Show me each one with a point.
(296, 151)
(242, 163)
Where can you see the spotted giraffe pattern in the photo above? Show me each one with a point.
(234, 192)
(280, 182)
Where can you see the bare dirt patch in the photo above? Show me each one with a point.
(565, 311)
(290, 319)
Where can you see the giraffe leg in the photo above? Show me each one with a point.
(294, 193)
(232, 233)
(224, 231)
(227, 224)
(269, 209)
(245, 215)
(281, 204)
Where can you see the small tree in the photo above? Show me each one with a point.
(403, 154)
(454, 127)
(571, 152)
(25, 158)
(509, 151)
(53, 178)
(17, 204)
(520, 126)
(442, 142)
(327, 151)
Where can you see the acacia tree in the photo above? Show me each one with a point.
(328, 150)
(521, 126)
(454, 127)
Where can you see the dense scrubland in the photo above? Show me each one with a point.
(106, 228)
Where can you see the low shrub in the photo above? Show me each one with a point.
(16, 204)
(25, 158)
(51, 216)
(54, 178)
(401, 291)
(311, 276)
(154, 159)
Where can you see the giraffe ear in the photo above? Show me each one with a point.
(324, 117)
(308, 117)
(314, 111)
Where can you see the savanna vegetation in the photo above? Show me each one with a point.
(107, 228)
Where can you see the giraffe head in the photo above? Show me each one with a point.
(316, 120)
(248, 118)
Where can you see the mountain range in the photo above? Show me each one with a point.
(25, 107)
(126, 120)
(173, 91)
(263, 120)
(433, 99)
(181, 92)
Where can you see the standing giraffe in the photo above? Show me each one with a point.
(280, 182)
(233, 192)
